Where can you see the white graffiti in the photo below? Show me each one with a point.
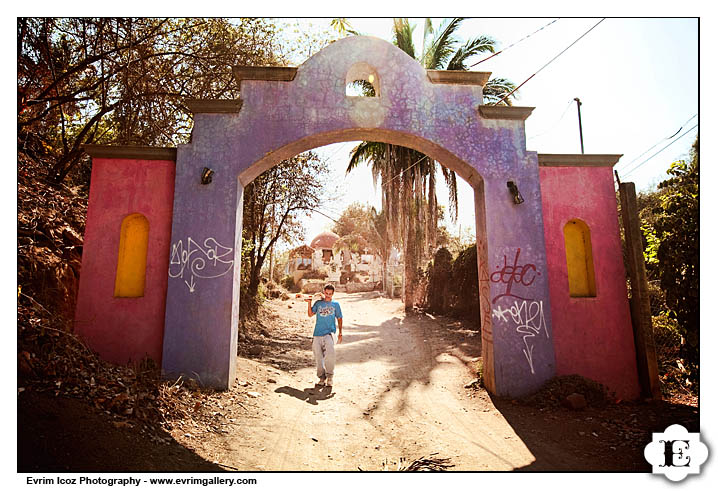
(530, 321)
(191, 260)
(501, 313)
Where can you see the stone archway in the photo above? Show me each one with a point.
(284, 111)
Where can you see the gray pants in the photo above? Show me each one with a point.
(323, 347)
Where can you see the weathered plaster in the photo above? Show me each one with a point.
(530, 331)
(280, 118)
(125, 329)
(593, 336)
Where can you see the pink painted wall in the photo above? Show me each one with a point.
(593, 337)
(125, 330)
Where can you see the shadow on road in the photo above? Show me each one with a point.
(595, 439)
(310, 395)
(421, 341)
(59, 434)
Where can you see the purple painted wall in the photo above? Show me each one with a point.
(593, 337)
(125, 330)
(531, 328)
(279, 119)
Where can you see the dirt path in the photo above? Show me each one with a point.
(400, 393)
(395, 395)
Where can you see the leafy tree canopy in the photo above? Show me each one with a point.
(273, 205)
(124, 81)
(360, 228)
(677, 232)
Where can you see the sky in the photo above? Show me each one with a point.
(637, 80)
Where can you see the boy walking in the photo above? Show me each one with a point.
(327, 313)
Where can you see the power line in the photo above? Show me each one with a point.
(341, 146)
(551, 61)
(514, 44)
(407, 169)
(624, 165)
(662, 149)
(555, 124)
(323, 214)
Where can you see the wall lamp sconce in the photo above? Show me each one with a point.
(206, 175)
(518, 199)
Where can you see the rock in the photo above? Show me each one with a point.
(271, 381)
(575, 401)
(254, 394)
(255, 350)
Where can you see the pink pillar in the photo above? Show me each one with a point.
(125, 330)
(593, 336)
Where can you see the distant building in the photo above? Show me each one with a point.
(320, 258)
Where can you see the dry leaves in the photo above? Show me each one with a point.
(50, 358)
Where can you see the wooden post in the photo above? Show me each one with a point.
(640, 301)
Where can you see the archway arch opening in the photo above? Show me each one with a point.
(471, 192)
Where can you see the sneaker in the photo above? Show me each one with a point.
(330, 382)
(320, 383)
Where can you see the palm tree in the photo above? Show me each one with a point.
(408, 177)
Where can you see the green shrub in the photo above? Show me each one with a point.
(465, 283)
(439, 281)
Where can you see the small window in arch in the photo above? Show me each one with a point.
(362, 81)
(579, 259)
(132, 256)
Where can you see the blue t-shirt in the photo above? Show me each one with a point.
(326, 312)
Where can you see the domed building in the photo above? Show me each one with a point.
(323, 244)
(324, 240)
(310, 263)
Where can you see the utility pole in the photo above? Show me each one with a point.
(580, 129)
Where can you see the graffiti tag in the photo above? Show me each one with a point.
(484, 294)
(529, 319)
(189, 260)
(510, 274)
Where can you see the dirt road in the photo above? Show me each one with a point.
(400, 393)
(396, 394)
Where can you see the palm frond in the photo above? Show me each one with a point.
(428, 31)
(496, 89)
(403, 33)
(450, 178)
(365, 152)
(365, 88)
(442, 47)
(343, 27)
(481, 44)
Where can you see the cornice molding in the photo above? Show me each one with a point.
(457, 77)
(577, 160)
(222, 106)
(130, 152)
(271, 73)
(505, 112)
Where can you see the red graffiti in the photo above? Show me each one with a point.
(510, 274)
(484, 296)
